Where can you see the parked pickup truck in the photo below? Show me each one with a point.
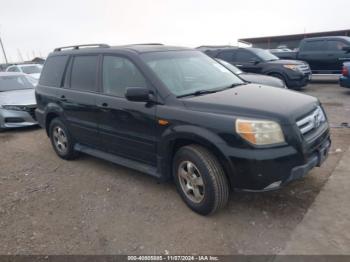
(325, 55)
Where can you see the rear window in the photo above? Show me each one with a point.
(84, 73)
(53, 71)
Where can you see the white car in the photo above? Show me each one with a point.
(34, 70)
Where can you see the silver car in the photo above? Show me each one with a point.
(17, 100)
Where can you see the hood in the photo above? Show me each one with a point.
(18, 97)
(262, 80)
(286, 62)
(255, 101)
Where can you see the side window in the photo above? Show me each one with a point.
(53, 71)
(318, 45)
(244, 56)
(118, 74)
(335, 45)
(84, 72)
(13, 69)
(226, 55)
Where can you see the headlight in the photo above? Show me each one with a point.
(292, 67)
(260, 132)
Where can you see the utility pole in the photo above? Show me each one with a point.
(3, 50)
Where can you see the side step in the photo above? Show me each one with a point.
(144, 168)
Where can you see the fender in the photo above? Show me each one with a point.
(192, 134)
(51, 110)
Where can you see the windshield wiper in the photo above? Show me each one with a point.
(200, 92)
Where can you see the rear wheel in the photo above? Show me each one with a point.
(200, 179)
(62, 141)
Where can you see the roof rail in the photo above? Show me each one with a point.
(79, 46)
(149, 44)
(215, 46)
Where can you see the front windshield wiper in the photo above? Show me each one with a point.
(204, 92)
(199, 92)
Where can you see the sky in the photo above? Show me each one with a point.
(31, 28)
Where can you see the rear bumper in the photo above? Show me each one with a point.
(14, 119)
(344, 81)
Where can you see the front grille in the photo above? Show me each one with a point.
(312, 121)
(304, 68)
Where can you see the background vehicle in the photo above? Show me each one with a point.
(175, 113)
(325, 55)
(253, 78)
(33, 70)
(17, 101)
(344, 79)
(295, 74)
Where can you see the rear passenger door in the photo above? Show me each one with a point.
(126, 128)
(77, 98)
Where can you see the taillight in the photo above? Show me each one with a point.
(345, 71)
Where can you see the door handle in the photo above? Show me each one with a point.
(239, 65)
(104, 105)
(63, 98)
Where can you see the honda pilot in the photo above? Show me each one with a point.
(176, 113)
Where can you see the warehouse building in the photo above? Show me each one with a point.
(288, 41)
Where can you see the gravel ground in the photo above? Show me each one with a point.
(90, 206)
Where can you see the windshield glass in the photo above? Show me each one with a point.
(230, 67)
(264, 54)
(10, 83)
(34, 69)
(186, 72)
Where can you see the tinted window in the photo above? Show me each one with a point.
(84, 73)
(314, 46)
(226, 55)
(53, 71)
(118, 74)
(244, 56)
(34, 69)
(335, 45)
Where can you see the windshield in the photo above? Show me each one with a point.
(186, 72)
(264, 54)
(230, 67)
(10, 83)
(34, 69)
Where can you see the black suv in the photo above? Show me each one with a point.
(176, 113)
(295, 74)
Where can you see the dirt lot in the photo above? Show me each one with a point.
(90, 206)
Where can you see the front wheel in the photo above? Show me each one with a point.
(200, 179)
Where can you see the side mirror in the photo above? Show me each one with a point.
(346, 49)
(138, 94)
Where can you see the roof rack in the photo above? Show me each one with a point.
(215, 46)
(76, 47)
(148, 44)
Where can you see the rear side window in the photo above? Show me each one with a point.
(53, 71)
(226, 55)
(335, 45)
(84, 72)
(118, 74)
(245, 56)
(314, 46)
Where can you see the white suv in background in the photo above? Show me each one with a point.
(34, 70)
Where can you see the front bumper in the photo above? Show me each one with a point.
(344, 81)
(14, 119)
(300, 80)
(270, 169)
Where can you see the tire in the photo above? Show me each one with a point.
(194, 165)
(61, 140)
